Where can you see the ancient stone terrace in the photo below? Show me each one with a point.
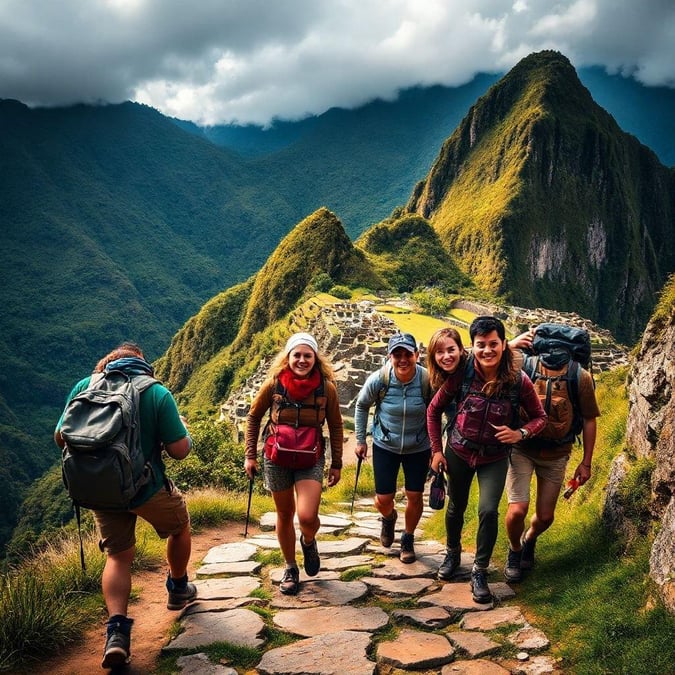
(354, 336)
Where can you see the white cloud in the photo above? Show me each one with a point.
(253, 60)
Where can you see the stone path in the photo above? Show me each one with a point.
(422, 625)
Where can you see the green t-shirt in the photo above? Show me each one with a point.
(160, 423)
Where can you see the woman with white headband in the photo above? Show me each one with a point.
(300, 394)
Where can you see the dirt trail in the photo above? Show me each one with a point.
(152, 620)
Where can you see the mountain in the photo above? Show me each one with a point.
(119, 223)
(543, 200)
(116, 225)
(223, 343)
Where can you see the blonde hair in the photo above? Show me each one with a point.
(281, 363)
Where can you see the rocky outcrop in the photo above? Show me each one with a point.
(650, 442)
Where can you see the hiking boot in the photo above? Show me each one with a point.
(312, 562)
(512, 571)
(388, 531)
(450, 564)
(117, 650)
(480, 591)
(180, 592)
(407, 554)
(527, 557)
(290, 582)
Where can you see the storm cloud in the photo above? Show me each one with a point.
(252, 61)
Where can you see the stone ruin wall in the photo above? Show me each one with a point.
(354, 337)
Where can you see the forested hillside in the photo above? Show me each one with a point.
(119, 224)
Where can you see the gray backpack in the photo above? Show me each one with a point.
(103, 466)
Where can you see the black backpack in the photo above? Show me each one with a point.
(557, 343)
(563, 348)
(103, 466)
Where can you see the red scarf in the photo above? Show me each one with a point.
(299, 388)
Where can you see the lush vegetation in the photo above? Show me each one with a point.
(587, 592)
(119, 224)
(533, 196)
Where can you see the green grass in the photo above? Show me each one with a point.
(590, 592)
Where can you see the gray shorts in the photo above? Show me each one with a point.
(279, 478)
(521, 468)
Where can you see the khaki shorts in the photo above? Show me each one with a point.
(521, 468)
(165, 511)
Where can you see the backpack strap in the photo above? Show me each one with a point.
(285, 402)
(385, 378)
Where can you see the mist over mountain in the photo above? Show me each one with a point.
(119, 223)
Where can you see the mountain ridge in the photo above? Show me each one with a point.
(120, 225)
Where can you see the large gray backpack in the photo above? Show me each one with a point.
(103, 466)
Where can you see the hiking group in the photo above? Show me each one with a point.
(500, 411)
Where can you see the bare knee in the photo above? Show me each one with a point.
(517, 510)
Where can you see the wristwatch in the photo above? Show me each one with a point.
(524, 433)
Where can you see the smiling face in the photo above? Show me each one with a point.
(404, 363)
(488, 350)
(301, 360)
(447, 354)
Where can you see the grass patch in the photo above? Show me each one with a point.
(356, 573)
(589, 591)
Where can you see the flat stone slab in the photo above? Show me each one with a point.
(349, 546)
(473, 643)
(361, 531)
(502, 591)
(316, 593)
(502, 616)
(424, 566)
(319, 620)
(341, 653)
(529, 638)
(238, 626)
(240, 567)
(429, 617)
(264, 541)
(415, 650)
(347, 562)
(477, 667)
(278, 572)
(231, 587)
(227, 553)
(199, 664)
(398, 587)
(455, 597)
(220, 605)
(536, 665)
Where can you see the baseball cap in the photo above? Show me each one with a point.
(405, 340)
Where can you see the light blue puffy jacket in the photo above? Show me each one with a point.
(400, 419)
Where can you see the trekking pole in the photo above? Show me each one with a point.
(248, 508)
(356, 482)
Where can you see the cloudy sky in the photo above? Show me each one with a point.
(220, 61)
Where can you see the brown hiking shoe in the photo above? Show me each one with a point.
(388, 530)
(407, 554)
